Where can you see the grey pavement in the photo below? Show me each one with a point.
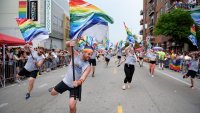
(103, 93)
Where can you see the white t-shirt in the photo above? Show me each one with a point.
(30, 64)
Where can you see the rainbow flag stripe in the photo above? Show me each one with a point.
(193, 30)
(83, 16)
(30, 30)
(22, 9)
(130, 37)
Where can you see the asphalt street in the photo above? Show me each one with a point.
(103, 93)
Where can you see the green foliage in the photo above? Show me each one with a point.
(176, 23)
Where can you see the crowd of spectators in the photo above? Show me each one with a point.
(16, 57)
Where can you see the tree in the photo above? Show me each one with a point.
(176, 23)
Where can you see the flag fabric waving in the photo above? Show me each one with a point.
(86, 41)
(193, 39)
(31, 31)
(193, 30)
(83, 16)
(130, 37)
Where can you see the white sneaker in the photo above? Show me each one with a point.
(18, 81)
(152, 75)
(124, 87)
(128, 85)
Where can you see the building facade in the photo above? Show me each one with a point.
(48, 13)
(152, 9)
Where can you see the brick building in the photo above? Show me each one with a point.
(152, 9)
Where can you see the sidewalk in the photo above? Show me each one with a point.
(175, 75)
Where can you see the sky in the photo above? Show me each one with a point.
(127, 11)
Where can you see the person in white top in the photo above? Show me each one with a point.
(82, 69)
(107, 57)
(152, 60)
(193, 69)
(92, 60)
(31, 69)
(119, 55)
(129, 67)
(141, 56)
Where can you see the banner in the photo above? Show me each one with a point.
(22, 9)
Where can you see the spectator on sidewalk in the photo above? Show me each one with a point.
(161, 57)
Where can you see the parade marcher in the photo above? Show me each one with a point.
(31, 68)
(92, 60)
(152, 60)
(82, 69)
(129, 67)
(107, 57)
(141, 56)
(192, 70)
(119, 55)
(98, 55)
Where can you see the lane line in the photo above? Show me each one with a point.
(119, 109)
(168, 75)
(176, 79)
(3, 105)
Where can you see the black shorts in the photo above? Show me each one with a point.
(140, 58)
(62, 87)
(26, 73)
(191, 73)
(119, 57)
(152, 62)
(107, 60)
(93, 62)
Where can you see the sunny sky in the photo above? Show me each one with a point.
(127, 11)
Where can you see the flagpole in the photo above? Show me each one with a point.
(73, 69)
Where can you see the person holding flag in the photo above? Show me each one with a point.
(129, 66)
(31, 68)
(82, 69)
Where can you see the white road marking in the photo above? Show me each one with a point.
(43, 85)
(166, 74)
(3, 105)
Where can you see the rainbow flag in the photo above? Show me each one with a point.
(120, 44)
(22, 9)
(130, 37)
(30, 30)
(84, 16)
(193, 30)
(85, 41)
